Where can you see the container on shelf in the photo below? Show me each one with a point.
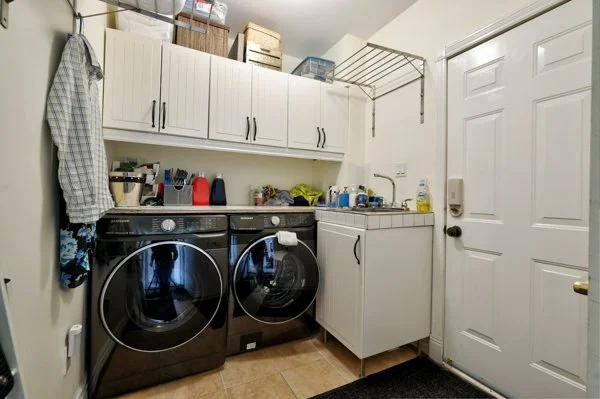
(263, 37)
(126, 187)
(178, 195)
(316, 68)
(213, 42)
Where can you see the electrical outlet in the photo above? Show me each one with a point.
(401, 169)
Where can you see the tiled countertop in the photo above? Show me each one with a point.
(389, 220)
(145, 210)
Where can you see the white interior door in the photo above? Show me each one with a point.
(184, 96)
(269, 107)
(131, 81)
(304, 117)
(230, 100)
(334, 117)
(519, 136)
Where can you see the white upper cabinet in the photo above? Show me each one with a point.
(318, 115)
(184, 94)
(334, 117)
(304, 131)
(269, 107)
(230, 100)
(131, 81)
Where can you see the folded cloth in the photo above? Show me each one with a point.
(287, 238)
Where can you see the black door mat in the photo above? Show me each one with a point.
(417, 378)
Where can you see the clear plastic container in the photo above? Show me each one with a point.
(316, 68)
(219, 12)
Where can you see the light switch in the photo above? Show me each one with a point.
(401, 169)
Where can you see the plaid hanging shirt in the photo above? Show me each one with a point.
(75, 121)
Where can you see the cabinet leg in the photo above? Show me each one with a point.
(361, 373)
(419, 352)
(325, 336)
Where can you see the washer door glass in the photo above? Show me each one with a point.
(161, 296)
(273, 283)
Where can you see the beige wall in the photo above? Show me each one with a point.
(239, 170)
(43, 312)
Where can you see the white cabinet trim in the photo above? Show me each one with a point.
(207, 144)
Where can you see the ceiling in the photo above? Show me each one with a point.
(311, 27)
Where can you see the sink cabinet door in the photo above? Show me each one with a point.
(340, 298)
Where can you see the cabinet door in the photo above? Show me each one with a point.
(269, 107)
(184, 91)
(304, 113)
(334, 117)
(339, 304)
(230, 100)
(131, 81)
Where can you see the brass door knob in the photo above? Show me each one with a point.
(581, 287)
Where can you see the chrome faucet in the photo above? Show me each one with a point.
(393, 187)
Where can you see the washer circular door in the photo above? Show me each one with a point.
(273, 283)
(161, 296)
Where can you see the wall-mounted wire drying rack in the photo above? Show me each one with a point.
(379, 71)
(128, 7)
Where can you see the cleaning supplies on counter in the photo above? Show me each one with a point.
(352, 197)
(200, 190)
(345, 198)
(423, 197)
(217, 192)
(333, 197)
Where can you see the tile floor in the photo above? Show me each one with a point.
(298, 369)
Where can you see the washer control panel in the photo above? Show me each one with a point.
(143, 225)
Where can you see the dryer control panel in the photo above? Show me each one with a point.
(271, 221)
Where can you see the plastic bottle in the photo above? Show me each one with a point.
(200, 190)
(217, 192)
(423, 197)
(345, 198)
(352, 196)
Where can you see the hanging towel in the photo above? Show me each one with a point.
(287, 238)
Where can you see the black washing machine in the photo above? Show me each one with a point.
(272, 287)
(158, 301)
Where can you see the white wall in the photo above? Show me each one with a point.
(424, 29)
(43, 312)
(240, 171)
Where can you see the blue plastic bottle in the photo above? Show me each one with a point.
(217, 192)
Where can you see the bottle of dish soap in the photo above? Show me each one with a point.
(217, 192)
(423, 197)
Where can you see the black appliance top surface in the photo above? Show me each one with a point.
(135, 225)
(259, 222)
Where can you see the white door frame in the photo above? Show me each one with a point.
(535, 9)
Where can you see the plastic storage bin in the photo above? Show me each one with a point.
(178, 195)
(316, 68)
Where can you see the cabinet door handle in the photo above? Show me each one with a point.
(255, 129)
(164, 114)
(324, 138)
(355, 246)
(153, 112)
(319, 142)
(247, 127)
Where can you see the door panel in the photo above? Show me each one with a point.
(230, 100)
(334, 117)
(304, 113)
(131, 81)
(185, 87)
(519, 135)
(269, 107)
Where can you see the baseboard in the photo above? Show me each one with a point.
(436, 350)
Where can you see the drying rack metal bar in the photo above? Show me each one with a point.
(383, 73)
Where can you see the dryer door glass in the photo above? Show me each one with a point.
(161, 296)
(273, 283)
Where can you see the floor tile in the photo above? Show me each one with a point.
(150, 393)
(247, 367)
(194, 386)
(294, 354)
(273, 387)
(346, 374)
(313, 379)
